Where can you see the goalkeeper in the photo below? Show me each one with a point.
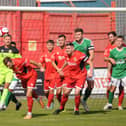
(6, 75)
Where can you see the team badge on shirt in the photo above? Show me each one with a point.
(75, 59)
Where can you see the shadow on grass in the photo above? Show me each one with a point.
(95, 112)
(37, 115)
(90, 112)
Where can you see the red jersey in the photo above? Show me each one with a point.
(23, 68)
(59, 56)
(74, 63)
(109, 48)
(50, 70)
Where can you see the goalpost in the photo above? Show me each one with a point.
(31, 27)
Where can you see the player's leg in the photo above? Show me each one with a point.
(64, 98)
(31, 83)
(108, 88)
(46, 88)
(121, 92)
(77, 100)
(121, 96)
(50, 104)
(7, 78)
(78, 87)
(2, 80)
(90, 86)
(50, 98)
(29, 103)
(59, 82)
(114, 83)
(11, 96)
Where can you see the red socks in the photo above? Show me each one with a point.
(121, 97)
(30, 103)
(63, 101)
(77, 102)
(50, 99)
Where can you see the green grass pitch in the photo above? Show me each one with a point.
(44, 117)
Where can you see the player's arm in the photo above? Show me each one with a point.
(53, 59)
(64, 65)
(109, 70)
(55, 66)
(106, 55)
(90, 74)
(106, 59)
(90, 61)
(91, 57)
(57, 69)
(35, 64)
(42, 63)
(111, 59)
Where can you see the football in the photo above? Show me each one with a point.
(3, 31)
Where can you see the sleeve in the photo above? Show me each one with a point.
(84, 57)
(90, 45)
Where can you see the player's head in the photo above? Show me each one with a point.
(13, 44)
(78, 34)
(119, 41)
(8, 62)
(112, 36)
(69, 48)
(7, 39)
(61, 40)
(50, 45)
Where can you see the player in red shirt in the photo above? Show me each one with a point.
(49, 73)
(58, 59)
(74, 77)
(28, 76)
(112, 37)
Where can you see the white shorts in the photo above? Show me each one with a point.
(90, 78)
(116, 82)
(13, 83)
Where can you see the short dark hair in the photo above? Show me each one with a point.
(120, 36)
(62, 35)
(50, 41)
(79, 30)
(14, 43)
(113, 33)
(7, 35)
(70, 44)
(6, 60)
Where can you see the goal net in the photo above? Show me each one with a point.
(31, 27)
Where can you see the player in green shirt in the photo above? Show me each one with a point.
(6, 75)
(86, 46)
(117, 59)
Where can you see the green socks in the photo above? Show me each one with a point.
(8, 98)
(111, 95)
(4, 95)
